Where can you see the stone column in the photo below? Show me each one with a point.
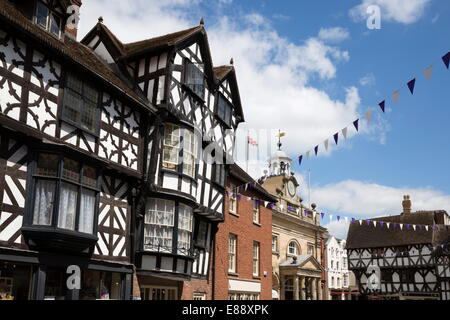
(282, 281)
(319, 290)
(296, 287)
(302, 288)
(314, 288)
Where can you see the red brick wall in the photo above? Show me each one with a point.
(198, 286)
(247, 232)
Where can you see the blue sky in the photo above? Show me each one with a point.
(310, 86)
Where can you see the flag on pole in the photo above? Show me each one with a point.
(252, 142)
(281, 134)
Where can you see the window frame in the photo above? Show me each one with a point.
(256, 212)
(227, 122)
(187, 64)
(233, 199)
(233, 237)
(222, 170)
(82, 96)
(175, 228)
(296, 246)
(256, 259)
(276, 244)
(179, 150)
(59, 180)
(48, 23)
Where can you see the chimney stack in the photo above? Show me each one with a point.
(406, 205)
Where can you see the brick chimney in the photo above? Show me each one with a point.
(406, 205)
(73, 11)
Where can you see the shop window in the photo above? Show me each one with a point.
(159, 293)
(97, 285)
(14, 281)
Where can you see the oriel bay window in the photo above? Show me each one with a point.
(160, 228)
(65, 194)
(180, 147)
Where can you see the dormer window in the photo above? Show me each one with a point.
(224, 110)
(47, 19)
(195, 78)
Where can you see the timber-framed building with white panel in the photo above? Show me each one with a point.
(182, 199)
(73, 140)
(403, 257)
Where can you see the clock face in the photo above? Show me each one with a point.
(291, 188)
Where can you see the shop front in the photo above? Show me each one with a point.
(37, 276)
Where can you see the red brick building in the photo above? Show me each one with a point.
(243, 243)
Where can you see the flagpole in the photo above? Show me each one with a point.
(309, 187)
(248, 148)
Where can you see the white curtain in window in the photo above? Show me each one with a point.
(87, 209)
(67, 206)
(43, 205)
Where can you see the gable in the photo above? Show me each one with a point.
(312, 264)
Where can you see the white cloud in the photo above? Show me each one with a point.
(368, 80)
(401, 11)
(338, 229)
(336, 34)
(273, 72)
(356, 198)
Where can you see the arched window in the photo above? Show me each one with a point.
(293, 248)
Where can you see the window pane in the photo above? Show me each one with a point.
(41, 14)
(67, 206)
(159, 221)
(74, 84)
(90, 93)
(195, 78)
(89, 176)
(72, 106)
(87, 209)
(71, 170)
(55, 24)
(89, 116)
(184, 229)
(43, 202)
(47, 165)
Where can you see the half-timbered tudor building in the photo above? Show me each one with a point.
(107, 157)
(72, 152)
(189, 141)
(398, 259)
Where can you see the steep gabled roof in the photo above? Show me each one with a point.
(368, 236)
(171, 39)
(70, 50)
(104, 33)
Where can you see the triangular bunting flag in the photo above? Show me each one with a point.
(300, 159)
(446, 59)
(395, 96)
(401, 226)
(426, 228)
(248, 198)
(316, 150)
(388, 224)
(353, 220)
(356, 124)
(414, 227)
(412, 85)
(346, 220)
(281, 206)
(338, 218)
(368, 222)
(298, 211)
(266, 203)
(381, 223)
(368, 116)
(326, 144)
(322, 215)
(360, 222)
(383, 105)
(428, 72)
(336, 138)
(344, 132)
(374, 223)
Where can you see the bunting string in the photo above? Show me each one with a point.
(411, 85)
